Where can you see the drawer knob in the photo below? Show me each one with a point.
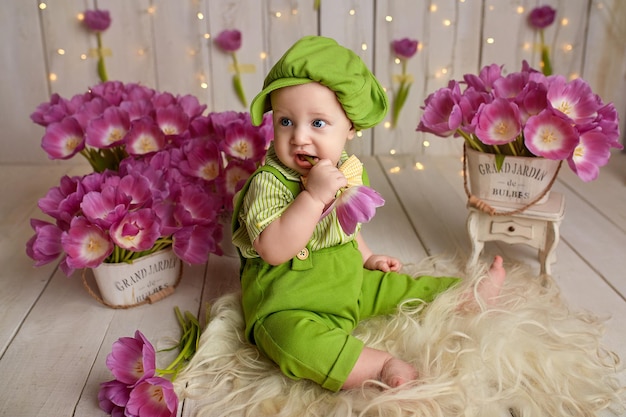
(511, 228)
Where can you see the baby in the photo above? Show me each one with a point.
(306, 284)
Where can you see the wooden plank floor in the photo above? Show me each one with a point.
(54, 337)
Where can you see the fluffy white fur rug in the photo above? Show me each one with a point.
(528, 356)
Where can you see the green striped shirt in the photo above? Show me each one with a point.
(267, 199)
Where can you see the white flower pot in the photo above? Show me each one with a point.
(144, 280)
(521, 181)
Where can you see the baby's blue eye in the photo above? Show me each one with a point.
(285, 122)
(318, 123)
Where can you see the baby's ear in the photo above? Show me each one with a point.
(351, 132)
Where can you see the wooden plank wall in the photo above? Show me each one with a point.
(166, 44)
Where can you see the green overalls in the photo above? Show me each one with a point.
(301, 313)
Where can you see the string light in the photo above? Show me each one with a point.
(42, 6)
(364, 46)
(418, 166)
(520, 9)
(278, 15)
(151, 10)
(352, 12)
(61, 51)
(564, 21)
(52, 76)
(433, 8)
(394, 170)
(200, 16)
(388, 18)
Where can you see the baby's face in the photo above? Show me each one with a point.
(308, 121)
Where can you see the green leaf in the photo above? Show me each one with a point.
(239, 90)
(401, 96)
(545, 57)
(499, 161)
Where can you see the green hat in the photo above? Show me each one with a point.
(322, 60)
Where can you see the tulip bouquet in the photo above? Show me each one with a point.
(164, 175)
(139, 387)
(526, 113)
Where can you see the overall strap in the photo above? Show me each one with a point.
(293, 186)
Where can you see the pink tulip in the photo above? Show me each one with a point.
(404, 48)
(442, 113)
(113, 397)
(111, 91)
(132, 359)
(50, 112)
(591, 153)
(86, 244)
(191, 106)
(195, 206)
(144, 137)
(229, 40)
(498, 122)
(485, 79)
(152, 397)
(204, 160)
(243, 141)
(109, 129)
(106, 207)
(45, 246)
(97, 20)
(355, 205)
(172, 119)
(63, 139)
(136, 231)
(541, 17)
(63, 202)
(193, 244)
(574, 99)
(550, 135)
(235, 175)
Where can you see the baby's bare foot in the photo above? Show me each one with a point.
(490, 287)
(396, 372)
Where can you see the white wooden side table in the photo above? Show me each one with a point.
(537, 226)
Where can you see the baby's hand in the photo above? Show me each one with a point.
(324, 180)
(383, 263)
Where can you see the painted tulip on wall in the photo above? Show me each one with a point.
(98, 21)
(540, 18)
(403, 50)
(230, 41)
